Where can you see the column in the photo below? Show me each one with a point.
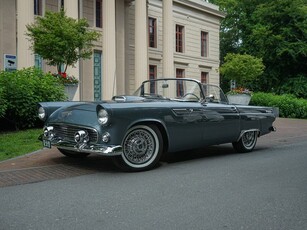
(141, 42)
(71, 8)
(25, 16)
(109, 50)
(43, 7)
(120, 47)
(168, 53)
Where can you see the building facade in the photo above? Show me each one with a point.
(141, 39)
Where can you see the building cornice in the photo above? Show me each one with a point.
(204, 6)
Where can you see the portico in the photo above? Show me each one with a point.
(125, 56)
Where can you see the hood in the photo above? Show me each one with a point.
(83, 113)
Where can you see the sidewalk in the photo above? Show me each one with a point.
(38, 158)
(288, 131)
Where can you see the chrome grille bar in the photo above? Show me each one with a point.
(67, 132)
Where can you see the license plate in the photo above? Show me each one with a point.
(47, 144)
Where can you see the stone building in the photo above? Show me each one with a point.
(141, 39)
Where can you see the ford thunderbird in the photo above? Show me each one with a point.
(163, 115)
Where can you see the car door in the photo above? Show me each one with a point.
(185, 126)
(222, 121)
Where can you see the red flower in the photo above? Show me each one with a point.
(65, 79)
(64, 75)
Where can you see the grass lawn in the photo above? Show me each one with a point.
(13, 144)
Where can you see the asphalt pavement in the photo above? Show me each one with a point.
(210, 188)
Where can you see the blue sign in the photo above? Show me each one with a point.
(10, 62)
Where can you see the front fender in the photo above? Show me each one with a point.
(50, 107)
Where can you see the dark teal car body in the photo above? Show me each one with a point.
(164, 115)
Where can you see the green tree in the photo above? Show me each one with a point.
(279, 31)
(242, 68)
(235, 26)
(274, 30)
(61, 40)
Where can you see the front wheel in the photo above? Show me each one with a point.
(142, 149)
(247, 142)
(73, 154)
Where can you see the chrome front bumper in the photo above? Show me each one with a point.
(110, 150)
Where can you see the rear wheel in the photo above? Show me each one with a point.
(73, 154)
(247, 142)
(142, 149)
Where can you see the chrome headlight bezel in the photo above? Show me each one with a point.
(41, 113)
(102, 116)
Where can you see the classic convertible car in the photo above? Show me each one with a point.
(163, 115)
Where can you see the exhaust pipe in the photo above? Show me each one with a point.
(272, 129)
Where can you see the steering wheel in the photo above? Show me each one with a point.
(192, 94)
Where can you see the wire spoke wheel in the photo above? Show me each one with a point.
(139, 146)
(248, 139)
(247, 142)
(142, 148)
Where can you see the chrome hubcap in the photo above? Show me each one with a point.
(139, 146)
(248, 139)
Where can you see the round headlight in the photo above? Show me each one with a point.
(103, 117)
(41, 113)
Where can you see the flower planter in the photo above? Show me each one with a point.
(70, 90)
(239, 99)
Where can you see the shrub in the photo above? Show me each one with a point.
(296, 86)
(289, 106)
(3, 103)
(23, 89)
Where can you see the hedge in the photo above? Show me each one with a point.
(22, 90)
(3, 103)
(289, 106)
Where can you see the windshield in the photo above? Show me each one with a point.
(172, 89)
(214, 94)
(183, 89)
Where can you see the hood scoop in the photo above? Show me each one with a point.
(127, 98)
(119, 98)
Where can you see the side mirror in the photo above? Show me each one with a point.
(210, 98)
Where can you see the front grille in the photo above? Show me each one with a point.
(67, 132)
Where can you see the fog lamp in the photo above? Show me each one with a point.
(106, 137)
